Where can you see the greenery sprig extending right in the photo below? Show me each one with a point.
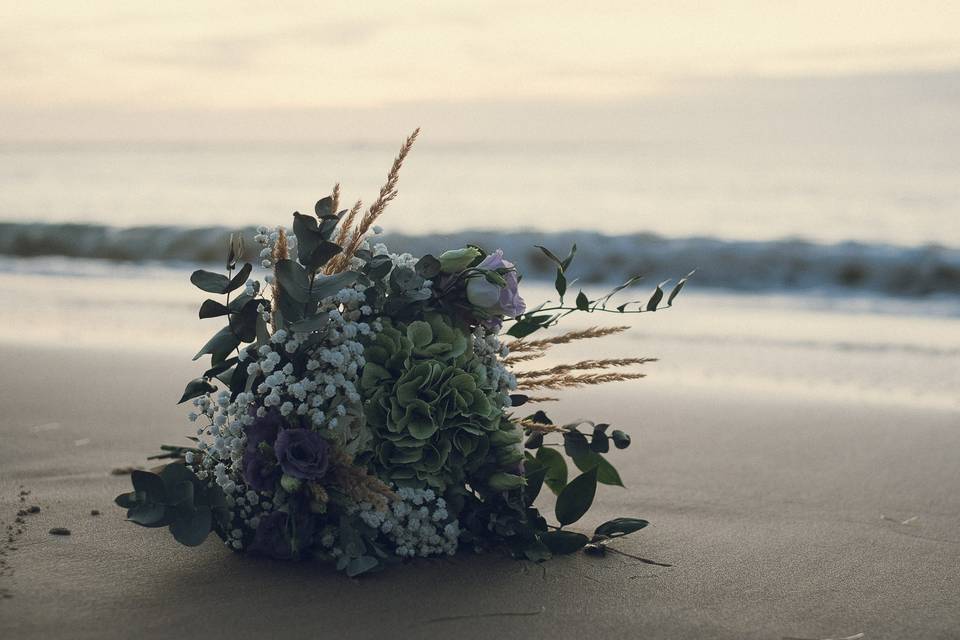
(547, 314)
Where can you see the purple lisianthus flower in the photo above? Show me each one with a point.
(302, 454)
(497, 300)
(273, 536)
(260, 471)
(264, 429)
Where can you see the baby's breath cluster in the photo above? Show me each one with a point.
(418, 523)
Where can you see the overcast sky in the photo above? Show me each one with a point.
(65, 60)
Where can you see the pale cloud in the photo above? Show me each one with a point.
(248, 55)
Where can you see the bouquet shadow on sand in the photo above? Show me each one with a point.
(364, 407)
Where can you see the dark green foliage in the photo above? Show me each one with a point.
(556, 466)
(548, 314)
(196, 388)
(178, 499)
(563, 542)
(619, 527)
(212, 309)
(314, 248)
(219, 346)
(528, 324)
(427, 267)
(621, 440)
(657, 296)
(210, 282)
(678, 287)
(583, 303)
(576, 497)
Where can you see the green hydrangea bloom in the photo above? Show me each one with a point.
(428, 399)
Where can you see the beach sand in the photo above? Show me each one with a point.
(797, 459)
(780, 515)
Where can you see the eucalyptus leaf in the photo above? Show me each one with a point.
(196, 388)
(150, 484)
(326, 286)
(321, 254)
(378, 267)
(293, 279)
(518, 399)
(240, 278)
(127, 500)
(209, 281)
(148, 515)
(360, 565)
(575, 443)
(221, 344)
(427, 267)
(535, 441)
(600, 443)
(313, 323)
(308, 236)
(323, 207)
(191, 528)
(621, 440)
(212, 309)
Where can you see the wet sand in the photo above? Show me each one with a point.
(782, 516)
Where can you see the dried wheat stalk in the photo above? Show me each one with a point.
(335, 199)
(519, 346)
(347, 224)
(569, 380)
(583, 365)
(358, 484)
(539, 427)
(387, 193)
(280, 252)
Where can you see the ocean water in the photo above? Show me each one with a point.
(761, 215)
(758, 192)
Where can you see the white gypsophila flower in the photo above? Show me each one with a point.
(318, 391)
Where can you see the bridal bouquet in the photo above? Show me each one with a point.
(362, 406)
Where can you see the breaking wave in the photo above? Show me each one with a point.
(742, 265)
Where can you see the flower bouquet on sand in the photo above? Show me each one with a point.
(364, 406)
